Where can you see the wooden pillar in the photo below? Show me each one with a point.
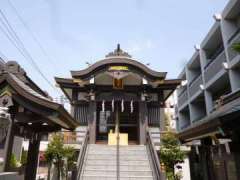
(206, 160)
(162, 122)
(32, 158)
(194, 164)
(8, 147)
(142, 122)
(92, 118)
(235, 147)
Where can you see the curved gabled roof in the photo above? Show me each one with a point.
(64, 119)
(118, 58)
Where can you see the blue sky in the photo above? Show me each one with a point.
(72, 32)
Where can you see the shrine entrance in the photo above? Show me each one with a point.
(127, 112)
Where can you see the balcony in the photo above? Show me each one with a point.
(184, 126)
(194, 86)
(234, 39)
(181, 90)
(214, 66)
(182, 98)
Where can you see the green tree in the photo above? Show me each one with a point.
(14, 162)
(56, 153)
(24, 158)
(171, 154)
(236, 47)
(69, 153)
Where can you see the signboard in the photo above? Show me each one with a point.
(118, 68)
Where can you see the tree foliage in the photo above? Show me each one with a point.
(236, 47)
(171, 154)
(24, 158)
(14, 162)
(56, 153)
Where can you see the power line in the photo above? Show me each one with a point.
(2, 57)
(31, 33)
(16, 41)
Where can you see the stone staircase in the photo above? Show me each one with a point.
(100, 163)
(155, 134)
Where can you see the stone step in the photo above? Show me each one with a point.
(156, 140)
(93, 177)
(100, 163)
(138, 153)
(108, 162)
(122, 167)
(155, 135)
(122, 158)
(130, 147)
(113, 173)
(121, 148)
(157, 148)
(122, 155)
(154, 129)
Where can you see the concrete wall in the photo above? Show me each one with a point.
(218, 64)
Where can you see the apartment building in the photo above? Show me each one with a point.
(208, 107)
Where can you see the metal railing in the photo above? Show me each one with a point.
(182, 99)
(117, 153)
(154, 158)
(182, 90)
(214, 67)
(195, 85)
(81, 156)
(234, 39)
(231, 52)
(118, 158)
(185, 125)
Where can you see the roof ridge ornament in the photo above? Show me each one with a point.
(118, 52)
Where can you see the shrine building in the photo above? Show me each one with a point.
(118, 92)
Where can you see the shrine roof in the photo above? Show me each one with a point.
(34, 97)
(118, 58)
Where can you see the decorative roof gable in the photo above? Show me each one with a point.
(118, 52)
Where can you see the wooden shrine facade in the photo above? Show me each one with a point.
(32, 114)
(119, 85)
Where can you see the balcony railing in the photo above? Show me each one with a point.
(234, 39)
(185, 125)
(194, 86)
(214, 66)
(182, 98)
(182, 90)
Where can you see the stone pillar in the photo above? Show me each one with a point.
(162, 119)
(92, 118)
(142, 122)
(32, 157)
(8, 147)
